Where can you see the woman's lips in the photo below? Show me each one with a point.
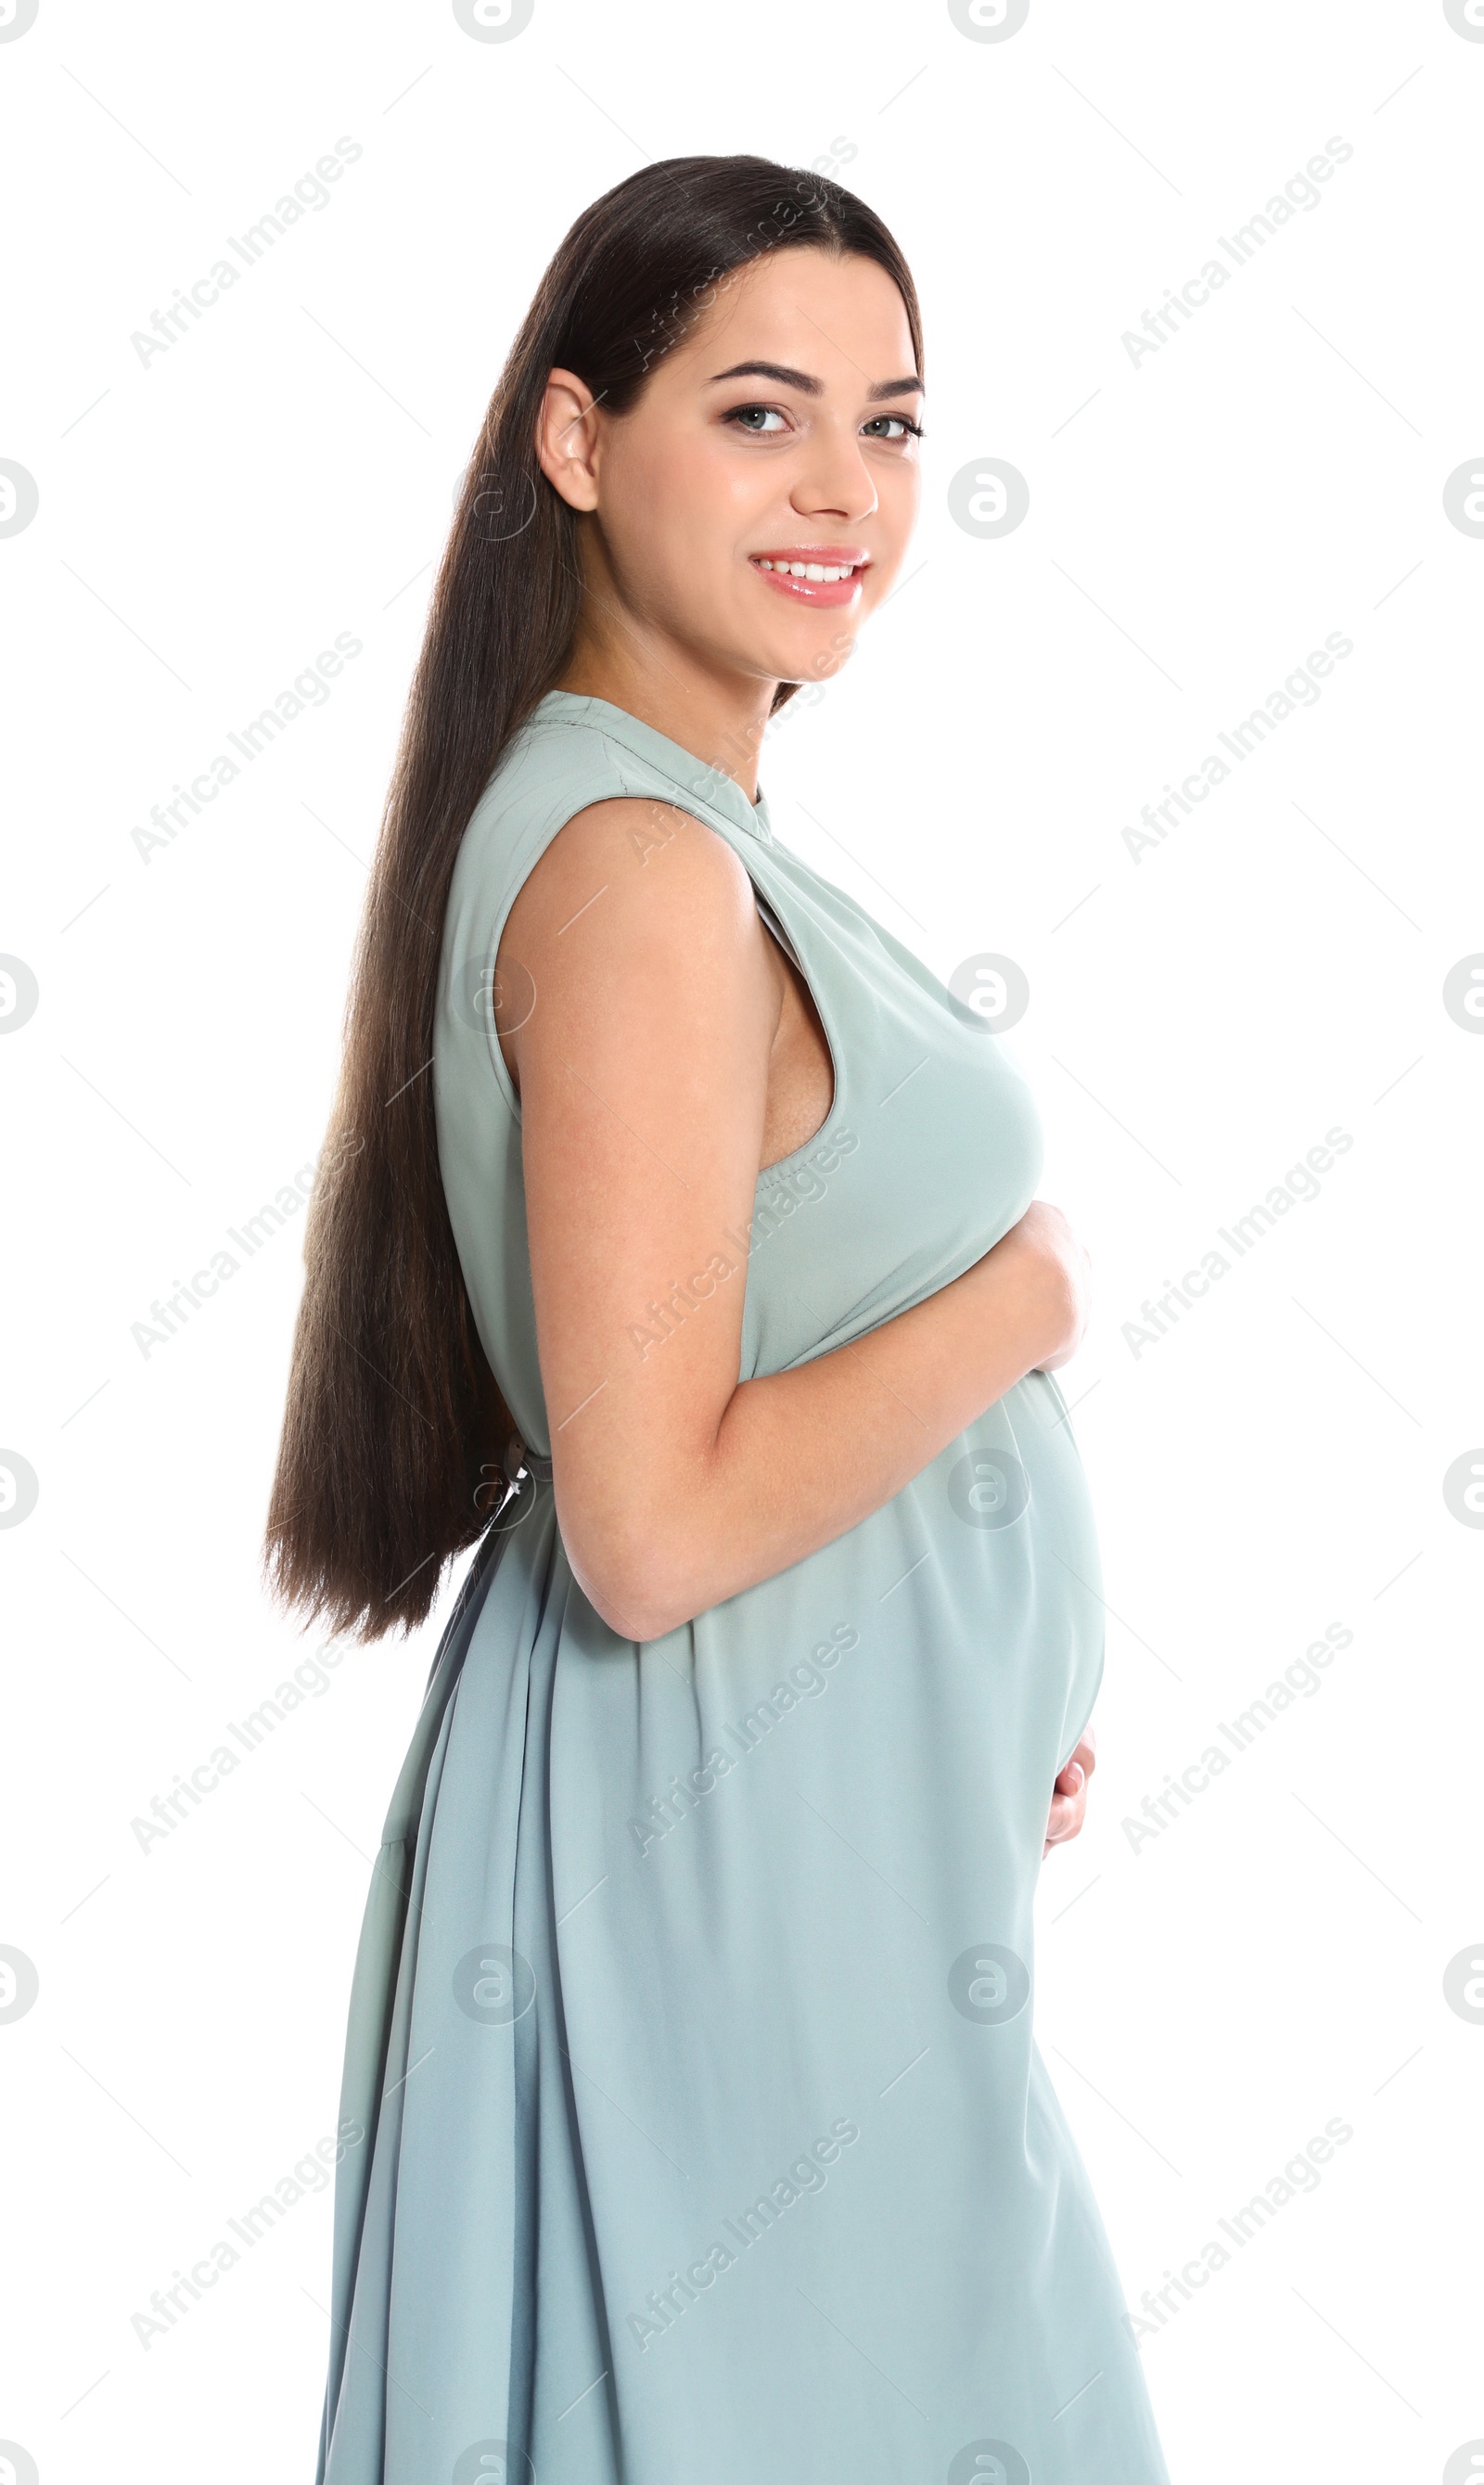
(781, 568)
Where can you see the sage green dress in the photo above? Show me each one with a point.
(694, 2124)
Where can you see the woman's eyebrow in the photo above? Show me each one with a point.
(808, 386)
(779, 371)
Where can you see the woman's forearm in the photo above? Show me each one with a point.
(800, 1456)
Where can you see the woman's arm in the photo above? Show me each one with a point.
(643, 1072)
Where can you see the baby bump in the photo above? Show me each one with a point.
(1015, 1541)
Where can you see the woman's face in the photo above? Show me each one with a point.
(779, 433)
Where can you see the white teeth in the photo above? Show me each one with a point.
(818, 572)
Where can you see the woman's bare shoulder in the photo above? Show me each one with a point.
(630, 845)
(637, 902)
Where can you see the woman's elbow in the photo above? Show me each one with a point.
(632, 1610)
(630, 1587)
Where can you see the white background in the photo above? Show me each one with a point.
(1200, 1018)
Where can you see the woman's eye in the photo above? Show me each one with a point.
(761, 419)
(902, 428)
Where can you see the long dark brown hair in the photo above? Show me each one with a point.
(392, 1411)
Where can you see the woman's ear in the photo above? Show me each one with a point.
(567, 439)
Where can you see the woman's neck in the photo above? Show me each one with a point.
(719, 717)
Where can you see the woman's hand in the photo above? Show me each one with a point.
(1057, 1273)
(1069, 1795)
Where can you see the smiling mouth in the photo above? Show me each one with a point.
(816, 575)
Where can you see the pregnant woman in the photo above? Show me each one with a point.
(675, 1240)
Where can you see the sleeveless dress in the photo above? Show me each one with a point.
(693, 2124)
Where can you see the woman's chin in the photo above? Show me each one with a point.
(813, 653)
